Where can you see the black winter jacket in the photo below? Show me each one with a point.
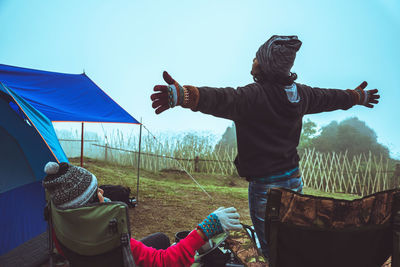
(268, 126)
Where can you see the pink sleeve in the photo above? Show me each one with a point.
(56, 243)
(181, 254)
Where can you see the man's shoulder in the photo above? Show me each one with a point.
(256, 88)
(304, 89)
(302, 86)
(249, 90)
(253, 86)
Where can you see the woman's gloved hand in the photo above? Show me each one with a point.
(173, 94)
(363, 97)
(223, 219)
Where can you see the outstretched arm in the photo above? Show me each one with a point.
(320, 100)
(182, 254)
(228, 103)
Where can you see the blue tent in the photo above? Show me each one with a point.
(29, 101)
(28, 141)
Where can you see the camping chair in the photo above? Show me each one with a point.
(304, 230)
(94, 235)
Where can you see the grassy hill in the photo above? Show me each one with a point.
(170, 201)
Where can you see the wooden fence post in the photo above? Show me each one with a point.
(196, 164)
(105, 152)
(396, 176)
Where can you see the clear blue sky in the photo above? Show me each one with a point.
(125, 45)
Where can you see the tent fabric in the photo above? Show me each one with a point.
(21, 211)
(28, 142)
(63, 97)
(27, 145)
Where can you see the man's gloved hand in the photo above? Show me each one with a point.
(173, 95)
(365, 97)
(223, 219)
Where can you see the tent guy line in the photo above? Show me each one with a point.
(180, 165)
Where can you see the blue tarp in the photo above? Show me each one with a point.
(63, 97)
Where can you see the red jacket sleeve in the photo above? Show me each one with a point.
(181, 254)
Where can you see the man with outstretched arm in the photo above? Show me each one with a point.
(268, 118)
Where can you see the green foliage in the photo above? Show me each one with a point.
(307, 133)
(191, 145)
(228, 139)
(351, 135)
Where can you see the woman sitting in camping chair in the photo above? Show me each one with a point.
(72, 187)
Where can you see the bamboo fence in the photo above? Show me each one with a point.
(328, 172)
(336, 172)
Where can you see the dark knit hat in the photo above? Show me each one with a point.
(69, 186)
(276, 56)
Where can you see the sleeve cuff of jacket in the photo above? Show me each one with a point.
(191, 97)
(355, 97)
(195, 239)
(199, 101)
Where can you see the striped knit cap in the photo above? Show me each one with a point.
(69, 186)
(276, 56)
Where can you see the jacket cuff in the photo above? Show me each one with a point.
(354, 95)
(191, 97)
(196, 240)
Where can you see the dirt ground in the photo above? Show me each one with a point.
(173, 215)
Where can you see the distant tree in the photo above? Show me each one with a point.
(350, 135)
(308, 132)
(228, 139)
(192, 144)
(360, 126)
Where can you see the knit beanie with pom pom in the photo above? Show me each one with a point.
(69, 186)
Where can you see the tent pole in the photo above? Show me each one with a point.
(138, 167)
(82, 146)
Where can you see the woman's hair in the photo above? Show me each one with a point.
(278, 79)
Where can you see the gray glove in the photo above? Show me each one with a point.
(223, 219)
(229, 218)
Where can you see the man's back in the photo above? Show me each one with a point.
(268, 125)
